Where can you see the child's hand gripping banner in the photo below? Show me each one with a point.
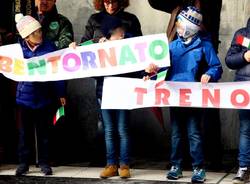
(101, 59)
(126, 93)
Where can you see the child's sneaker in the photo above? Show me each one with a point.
(198, 176)
(242, 176)
(174, 173)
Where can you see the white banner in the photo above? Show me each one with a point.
(108, 58)
(126, 93)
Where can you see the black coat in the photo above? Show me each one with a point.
(235, 56)
(93, 28)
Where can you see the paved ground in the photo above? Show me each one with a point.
(77, 175)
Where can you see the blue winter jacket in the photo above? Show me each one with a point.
(235, 56)
(38, 94)
(187, 60)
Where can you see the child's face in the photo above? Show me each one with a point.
(117, 34)
(35, 38)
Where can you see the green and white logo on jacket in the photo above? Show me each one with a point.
(54, 25)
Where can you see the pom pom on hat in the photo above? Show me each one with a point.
(26, 24)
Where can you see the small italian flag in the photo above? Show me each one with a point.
(59, 114)
(244, 41)
(160, 78)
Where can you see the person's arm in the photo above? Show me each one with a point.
(89, 31)
(66, 35)
(136, 26)
(60, 91)
(235, 56)
(214, 71)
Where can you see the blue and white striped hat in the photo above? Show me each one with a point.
(192, 14)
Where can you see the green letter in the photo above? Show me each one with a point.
(40, 67)
(127, 55)
(164, 49)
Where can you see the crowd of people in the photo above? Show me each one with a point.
(193, 59)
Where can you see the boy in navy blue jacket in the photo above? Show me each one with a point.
(34, 99)
(238, 58)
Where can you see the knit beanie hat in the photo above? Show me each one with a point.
(26, 24)
(189, 20)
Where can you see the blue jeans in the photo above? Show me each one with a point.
(116, 136)
(186, 121)
(244, 145)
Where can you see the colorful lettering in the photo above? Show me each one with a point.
(88, 58)
(34, 66)
(184, 97)
(73, 58)
(127, 55)
(237, 93)
(5, 64)
(19, 67)
(111, 58)
(54, 63)
(213, 98)
(161, 96)
(140, 92)
(154, 48)
(141, 50)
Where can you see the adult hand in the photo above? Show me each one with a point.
(63, 101)
(247, 56)
(72, 45)
(102, 39)
(205, 78)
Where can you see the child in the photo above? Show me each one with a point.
(238, 58)
(187, 52)
(34, 98)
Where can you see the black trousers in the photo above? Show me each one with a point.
(33, 124)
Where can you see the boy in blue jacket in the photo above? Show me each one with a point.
(34, 99)
(187, 53)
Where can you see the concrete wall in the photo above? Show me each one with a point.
(233, 16)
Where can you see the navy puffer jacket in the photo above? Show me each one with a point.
(235, 56)
(38, 94)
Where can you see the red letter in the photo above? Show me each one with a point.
(110, 58)
(214, 99)
(243, 93)
(159, 99)
(184, 97)
(140, 92)
(54, 63)
(5, 64)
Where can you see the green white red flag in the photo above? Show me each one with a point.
(244, 41)
(59, 114)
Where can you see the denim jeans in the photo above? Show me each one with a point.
(116, 136)
(186, 121)
(244, 145)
